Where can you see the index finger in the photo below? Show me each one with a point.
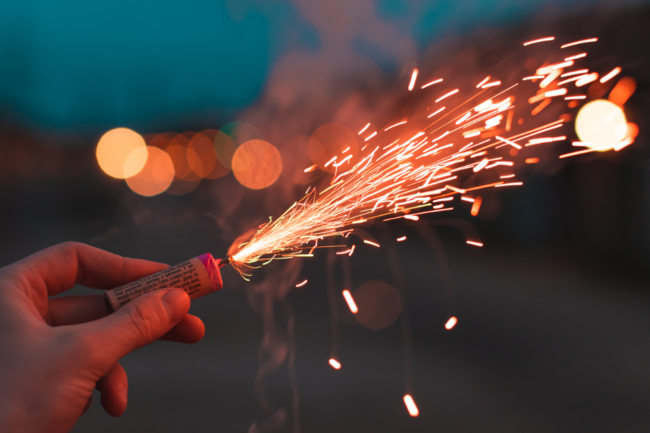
(58, 268)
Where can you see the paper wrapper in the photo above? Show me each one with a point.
(198, 277)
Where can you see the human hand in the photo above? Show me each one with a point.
(55, 351)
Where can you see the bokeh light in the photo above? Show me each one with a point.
(113, 149)
(257, 164)
(379, 304)
(201, 156)
(156, 175)
(601, 124)
(177, 151)
(622, 91)
(230, 137)
(332, 140)
(219, 170)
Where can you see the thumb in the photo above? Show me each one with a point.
(140, 322)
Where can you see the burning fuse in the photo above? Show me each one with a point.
(198, 277)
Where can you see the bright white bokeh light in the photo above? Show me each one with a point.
(601, 124)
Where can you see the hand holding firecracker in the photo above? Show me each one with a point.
(55, 351)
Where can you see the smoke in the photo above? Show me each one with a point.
(358, 72)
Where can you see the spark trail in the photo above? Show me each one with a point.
(418, 166)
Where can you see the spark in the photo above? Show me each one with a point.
(509, 184)
(584, 41)
(334, 363)
(414, 77)
(587, 79)
(485, 80)
(548, 69)
(301, 284)
(615, 72)
(403, 238)
(476, 206)
(370, 136)
(351, 250)
(568, 74)
(536, 41)
(431, 83)
(492, 84)
(433, 114)
(397, 124)
(410, 406)
(577, 56)
(511, 143)
(580, 152)
(462, 119)
(422, 171)
(477, 244)
(532, 77)
(535, 141)
(447, 95)
(558, 92)
(451, 322)
(350, 300)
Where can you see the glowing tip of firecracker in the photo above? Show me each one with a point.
(302, 284)
(451, 322)
(410, 405)
(335, 364)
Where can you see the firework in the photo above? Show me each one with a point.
(419, 165)
(198, 277)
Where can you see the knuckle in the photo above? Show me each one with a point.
(144, 320)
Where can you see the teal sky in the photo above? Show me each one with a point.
(79, 65)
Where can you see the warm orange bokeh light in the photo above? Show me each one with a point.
(201, 156)
(219, 170)
(329, 141)
(379, 304)
(257, 164)
(622, 91)
(156, 175)
(230, 137)
(177, 151)
(114, 148)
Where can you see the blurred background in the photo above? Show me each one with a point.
(553, 329)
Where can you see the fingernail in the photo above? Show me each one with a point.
(124, 394)
(177, 303)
